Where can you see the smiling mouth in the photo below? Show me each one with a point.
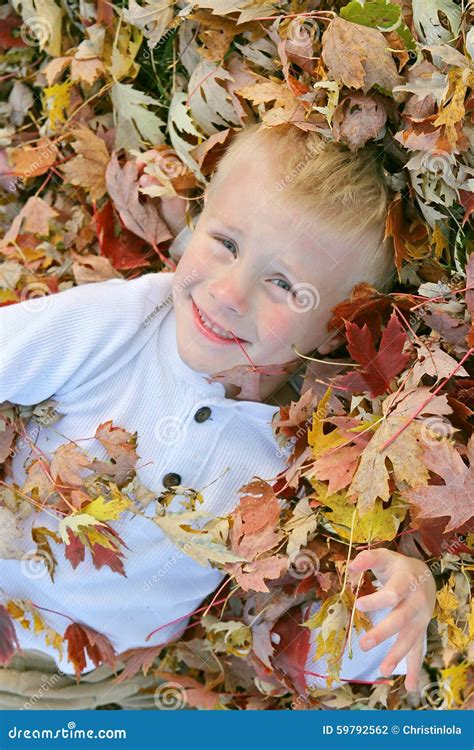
(212, 331)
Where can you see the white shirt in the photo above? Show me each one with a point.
(108, 351)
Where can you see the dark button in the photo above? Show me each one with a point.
(171, 480)
(202, 414)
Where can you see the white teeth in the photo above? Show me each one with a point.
(214, 328)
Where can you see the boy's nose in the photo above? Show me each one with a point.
(229, 292)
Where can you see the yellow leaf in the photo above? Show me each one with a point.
(446, 603)
(406, 457)
(378, 524)
(74, 522)
(317, 440)
(21, 610)
(454, 112)
(108, 511)
(455, 680)
(92, 535)
(57, 99)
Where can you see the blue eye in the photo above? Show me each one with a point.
(288, 289)
(222, 240)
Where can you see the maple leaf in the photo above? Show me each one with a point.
(81, 639)
(332, 619)
(303, 522)
(377, 368)
(40, 535)
(87, 169)
(121, 447)
(371, 480)
(9, 532)
(33, 161)
(292, 648)
(34, 217)
(22, 610)
(125, 250)
(366, 304)
(250, 575)
(248, 378)
(140, 218)
(379, 524)
(195, 694)
(8, 639)
(68, 460)
(453, 499)
(254, 521)
(200, 544)
(110, 510)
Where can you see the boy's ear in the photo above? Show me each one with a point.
(333, 343)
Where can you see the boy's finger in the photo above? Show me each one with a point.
(414, 662)
(403, 645)
(394, 590)
(371, 559)
(390, 625)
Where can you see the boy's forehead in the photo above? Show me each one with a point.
(248, 204)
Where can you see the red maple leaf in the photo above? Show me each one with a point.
(377, 367)
(291, 652)
(81, 639)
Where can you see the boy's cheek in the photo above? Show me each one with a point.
(276, 331)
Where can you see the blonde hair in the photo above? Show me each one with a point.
(324, 178)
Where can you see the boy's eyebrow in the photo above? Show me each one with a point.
(233, 230)
(240, 233)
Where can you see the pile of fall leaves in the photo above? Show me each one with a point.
(112, 113)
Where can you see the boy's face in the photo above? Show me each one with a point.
(251, 272)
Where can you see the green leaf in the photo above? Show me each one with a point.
(379, 15)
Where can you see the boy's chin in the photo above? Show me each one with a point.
(205, 362)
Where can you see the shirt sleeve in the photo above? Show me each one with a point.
(46, 341)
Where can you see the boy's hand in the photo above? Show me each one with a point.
(410, 589)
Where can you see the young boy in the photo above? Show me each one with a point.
(288, 228)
